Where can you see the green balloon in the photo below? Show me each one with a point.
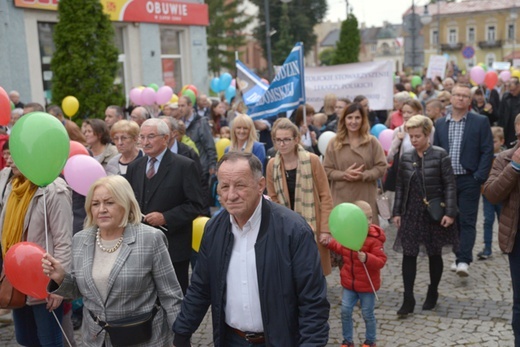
(39, 146)
(190, 94)
(416, 80)
(154, 86)
(12, 105)
(349, 225)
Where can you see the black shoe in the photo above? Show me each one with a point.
(431, 299)
(408, 306)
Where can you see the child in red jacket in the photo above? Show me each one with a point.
(354, 279)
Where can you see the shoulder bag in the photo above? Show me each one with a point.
(10, 297)
(383, 203)
(435, 207)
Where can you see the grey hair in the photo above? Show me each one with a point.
(254, 163)
(402, 97)
(162, 128)
(172, 123)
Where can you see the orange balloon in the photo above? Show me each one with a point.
(77, 148)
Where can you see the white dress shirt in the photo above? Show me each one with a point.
(243, 311)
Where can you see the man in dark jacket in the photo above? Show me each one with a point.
(509, 108)
(258, 268)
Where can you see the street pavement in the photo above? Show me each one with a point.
(472, 311)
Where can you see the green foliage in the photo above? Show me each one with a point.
(326, 56)
(347, 48)
(225, 33)
(302, 16)
(84, 64)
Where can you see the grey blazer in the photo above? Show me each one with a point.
(142, 272)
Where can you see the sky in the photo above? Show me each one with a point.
(372, 12)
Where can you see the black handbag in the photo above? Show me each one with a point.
(129, 331)
(436, 207)
(391, 174)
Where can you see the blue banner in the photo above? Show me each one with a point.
(249, 84)
(286, 92)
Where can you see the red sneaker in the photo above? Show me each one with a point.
(368, 344)
(347, 344)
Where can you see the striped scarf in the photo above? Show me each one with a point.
(304, 190)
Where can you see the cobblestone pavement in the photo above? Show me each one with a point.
(471, 311)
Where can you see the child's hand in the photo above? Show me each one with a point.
(324, 239)
(362, 256)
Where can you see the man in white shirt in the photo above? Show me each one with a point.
(258, 268)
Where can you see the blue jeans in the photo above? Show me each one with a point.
(35, 326)
(468, 197)
(368, 301)
(514, 268)
(489, 219)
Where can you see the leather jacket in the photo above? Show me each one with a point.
(438, 178)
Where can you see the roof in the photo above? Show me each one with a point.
(331, 38)
(466, 6)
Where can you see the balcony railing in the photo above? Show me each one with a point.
(452, 46)
(490, 44)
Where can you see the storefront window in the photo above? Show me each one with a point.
(171, 58)
(47, 48)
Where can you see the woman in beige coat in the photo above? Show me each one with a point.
(296, 179)
(354, 160)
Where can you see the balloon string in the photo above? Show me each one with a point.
(62, 331)
(370, 280)
(45, 220)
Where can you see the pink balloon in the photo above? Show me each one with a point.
(385, 138)
(163, 95)
(265, 81)
(477, 74)
(505, 75)
(234, 82)
(148, 96)
(135, 96)
(81, 171)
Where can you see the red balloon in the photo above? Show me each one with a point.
(77, 148)
(194, 89)
(5, 107)
(491, 79)
(23, 268)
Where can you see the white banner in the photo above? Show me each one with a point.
(436, 66)
(374, 80)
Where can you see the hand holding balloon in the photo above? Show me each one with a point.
(53, 302)
(362, 256)
(52, 268)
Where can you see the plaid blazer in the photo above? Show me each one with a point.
(142, 273)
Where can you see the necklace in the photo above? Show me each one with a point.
(108, 250)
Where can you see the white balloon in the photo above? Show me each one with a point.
(324, 139)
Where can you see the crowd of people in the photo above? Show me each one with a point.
(126, 248)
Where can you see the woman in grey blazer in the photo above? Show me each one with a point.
(120, 267)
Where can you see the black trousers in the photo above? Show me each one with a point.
(181, 270)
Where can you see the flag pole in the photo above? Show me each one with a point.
(302, 84)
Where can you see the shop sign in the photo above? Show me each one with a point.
(150, 11)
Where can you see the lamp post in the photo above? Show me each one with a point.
(268, 34)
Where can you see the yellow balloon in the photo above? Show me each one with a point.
(516, 73)
(221, 147)
(70, 105)
(198, 230)
(174, 99)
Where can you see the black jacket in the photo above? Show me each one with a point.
(291, 285)
(509, 108)
(439, 181)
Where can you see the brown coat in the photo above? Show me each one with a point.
(503, 186)
(336, 162)
(321, 195)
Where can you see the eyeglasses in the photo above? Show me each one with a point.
(149, 137)
(443, 100)
(122, 139)
(464, 96)
(283, 141)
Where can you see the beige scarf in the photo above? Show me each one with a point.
(304, 190)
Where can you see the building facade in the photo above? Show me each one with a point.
(472, 32)
(160, 41)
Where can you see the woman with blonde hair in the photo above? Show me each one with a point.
(354, 160)
(329, 107)
(297, 180)
(244, 138)
(124, 134)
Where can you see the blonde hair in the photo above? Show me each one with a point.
(244, 121)
(329, 103)
(498, 132)
(123, 196)
(125, 126)
(320, 118)
(420, 121)
(365, 207)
